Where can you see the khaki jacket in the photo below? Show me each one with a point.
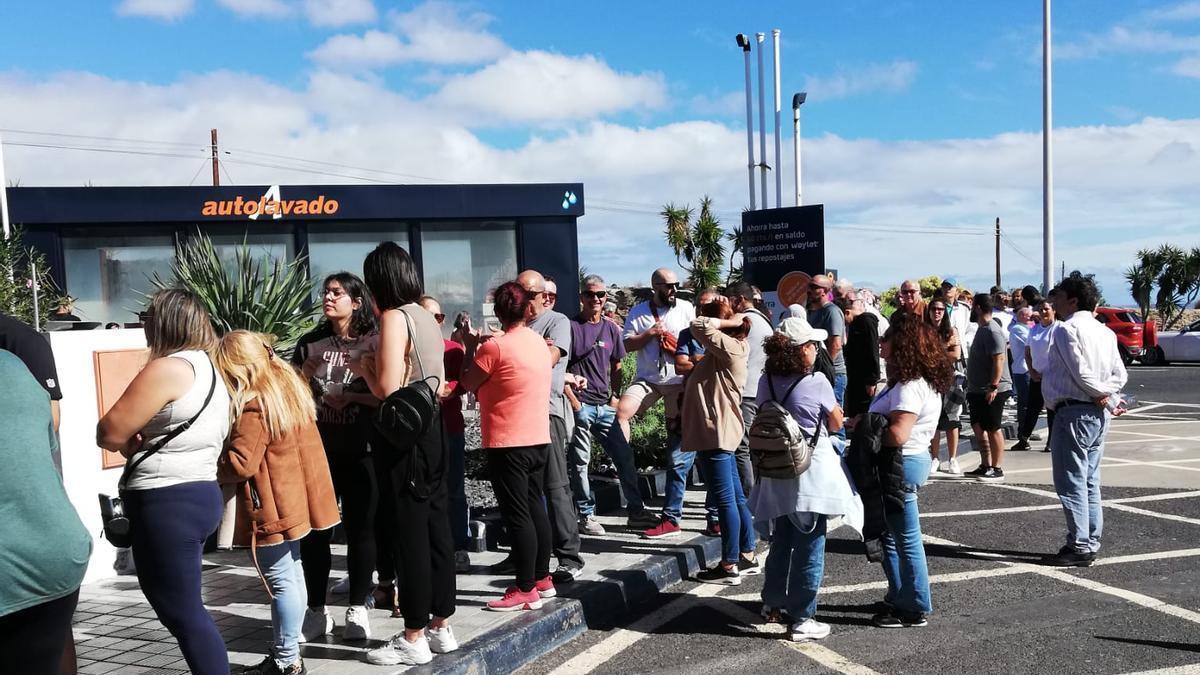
(712, 394)
(284, 487)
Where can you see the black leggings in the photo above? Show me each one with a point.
(1033, 409)
(33, 639)
(517, 480)
(168, 527)
(354, 481)
(421, 544)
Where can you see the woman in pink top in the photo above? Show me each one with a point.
(510, 375)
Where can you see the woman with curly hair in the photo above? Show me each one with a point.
(918, 373)
(936, 315)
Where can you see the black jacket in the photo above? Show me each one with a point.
(862, 361)
(878, 473)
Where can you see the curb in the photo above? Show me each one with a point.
(589, 601)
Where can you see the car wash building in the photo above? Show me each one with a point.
(104, 243)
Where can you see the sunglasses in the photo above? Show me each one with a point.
(908, 291)
(674, 285)
(596, 295)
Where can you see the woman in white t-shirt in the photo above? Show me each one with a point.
(918, 373)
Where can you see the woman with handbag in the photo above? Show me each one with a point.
(171, 424)
(952, 402)
(344, 412)
(799, 508)
(713, 428)
(275, 457)
(511, 376)
(412, 460)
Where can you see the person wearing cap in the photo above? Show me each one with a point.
(958, 311)
(823, 314)
(798, 508)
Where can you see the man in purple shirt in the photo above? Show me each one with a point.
(594, 367)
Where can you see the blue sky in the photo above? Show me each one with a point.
(920, 114)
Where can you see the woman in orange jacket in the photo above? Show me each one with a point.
(275, 455)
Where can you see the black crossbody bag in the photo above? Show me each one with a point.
(112, 509)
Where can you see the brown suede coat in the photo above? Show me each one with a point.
(284, 488)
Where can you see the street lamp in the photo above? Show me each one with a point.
(744, 42)
(797, 101)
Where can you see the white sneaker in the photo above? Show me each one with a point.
(462, 562)
(398, 651)
(317, 623)
(933, 469)
(954, 468)
(441, 640)
(808, 629)
(590, 526)
(123, 565)
(358, 624)
(342, 587)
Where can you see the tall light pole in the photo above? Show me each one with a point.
(762, 120)
(797, 101)
(1047, 157)
(744, 43)
(778, 158)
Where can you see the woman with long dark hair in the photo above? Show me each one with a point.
(918, 373)
(412, 489)
(344, 409)
(171, 496)
(937, 316)
(511, 376)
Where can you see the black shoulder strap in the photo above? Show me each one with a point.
(129, 467)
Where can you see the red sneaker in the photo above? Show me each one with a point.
(515, 600)
(545, 587)
(713, 530)
(665, 528)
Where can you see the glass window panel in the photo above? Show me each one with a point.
(109, 273)
(278, 245)
(462, 263)
(338, 247)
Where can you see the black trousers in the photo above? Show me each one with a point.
(517, 476)
(560, 503)
(1033, 409)
(418, 519)
(32, 640)
(355, 483)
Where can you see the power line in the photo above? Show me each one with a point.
(100, 138)
(115, 151)
(1016, 248)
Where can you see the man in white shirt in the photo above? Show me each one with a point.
(652, 330)
(1082, 381)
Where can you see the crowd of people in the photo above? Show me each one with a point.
(864, 399)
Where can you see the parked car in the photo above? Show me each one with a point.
(1175, 345)
(1128, 326)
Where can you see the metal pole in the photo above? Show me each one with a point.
(1047, 155)
(37, 321)
(778, 157)
(762, 120)
(744, 43)
(3, 192)
(797, 101)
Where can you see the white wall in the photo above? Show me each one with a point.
(81, 459)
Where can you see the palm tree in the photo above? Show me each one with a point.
(698, 246)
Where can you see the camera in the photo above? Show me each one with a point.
(116, 523)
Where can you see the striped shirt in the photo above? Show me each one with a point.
(1083, 363)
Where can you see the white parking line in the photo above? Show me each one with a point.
(822, 655)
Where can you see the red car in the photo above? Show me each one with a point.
(1128, 326)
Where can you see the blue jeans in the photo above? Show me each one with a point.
(601, 421)
(1021, 390)
(284, 573)
(795, 567)
(903, 553)
(737, 524)
(1076, 448)
(839, 393)
(460, 514)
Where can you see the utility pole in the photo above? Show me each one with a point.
(1047, 154)
(997, 251)
(216, 174)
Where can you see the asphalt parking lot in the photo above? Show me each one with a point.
(996, 608)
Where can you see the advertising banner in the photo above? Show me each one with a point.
(781, 250)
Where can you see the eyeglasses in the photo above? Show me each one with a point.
(550, 294)
(908, 291)
(595, 295)
(938, 309)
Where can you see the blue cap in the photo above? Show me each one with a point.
(949, 280)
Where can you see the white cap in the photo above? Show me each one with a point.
(800, 332)
(797, 311)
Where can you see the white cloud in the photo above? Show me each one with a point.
(541, 86)
(893, 77)
(1184, 11)
(271, 9)
(729, 104)
(337, 13)
(1187, 67)
(1118, 187)
(1125, 40)
(433, 32)
(166, 10)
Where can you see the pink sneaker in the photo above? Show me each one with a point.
(545, 588)
(515, 600)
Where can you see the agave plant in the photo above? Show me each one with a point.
(699, 243)
(262, 295)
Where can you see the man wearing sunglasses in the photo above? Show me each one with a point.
(652, 330)
(594, 373)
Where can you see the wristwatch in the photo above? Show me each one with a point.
(993, 387)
